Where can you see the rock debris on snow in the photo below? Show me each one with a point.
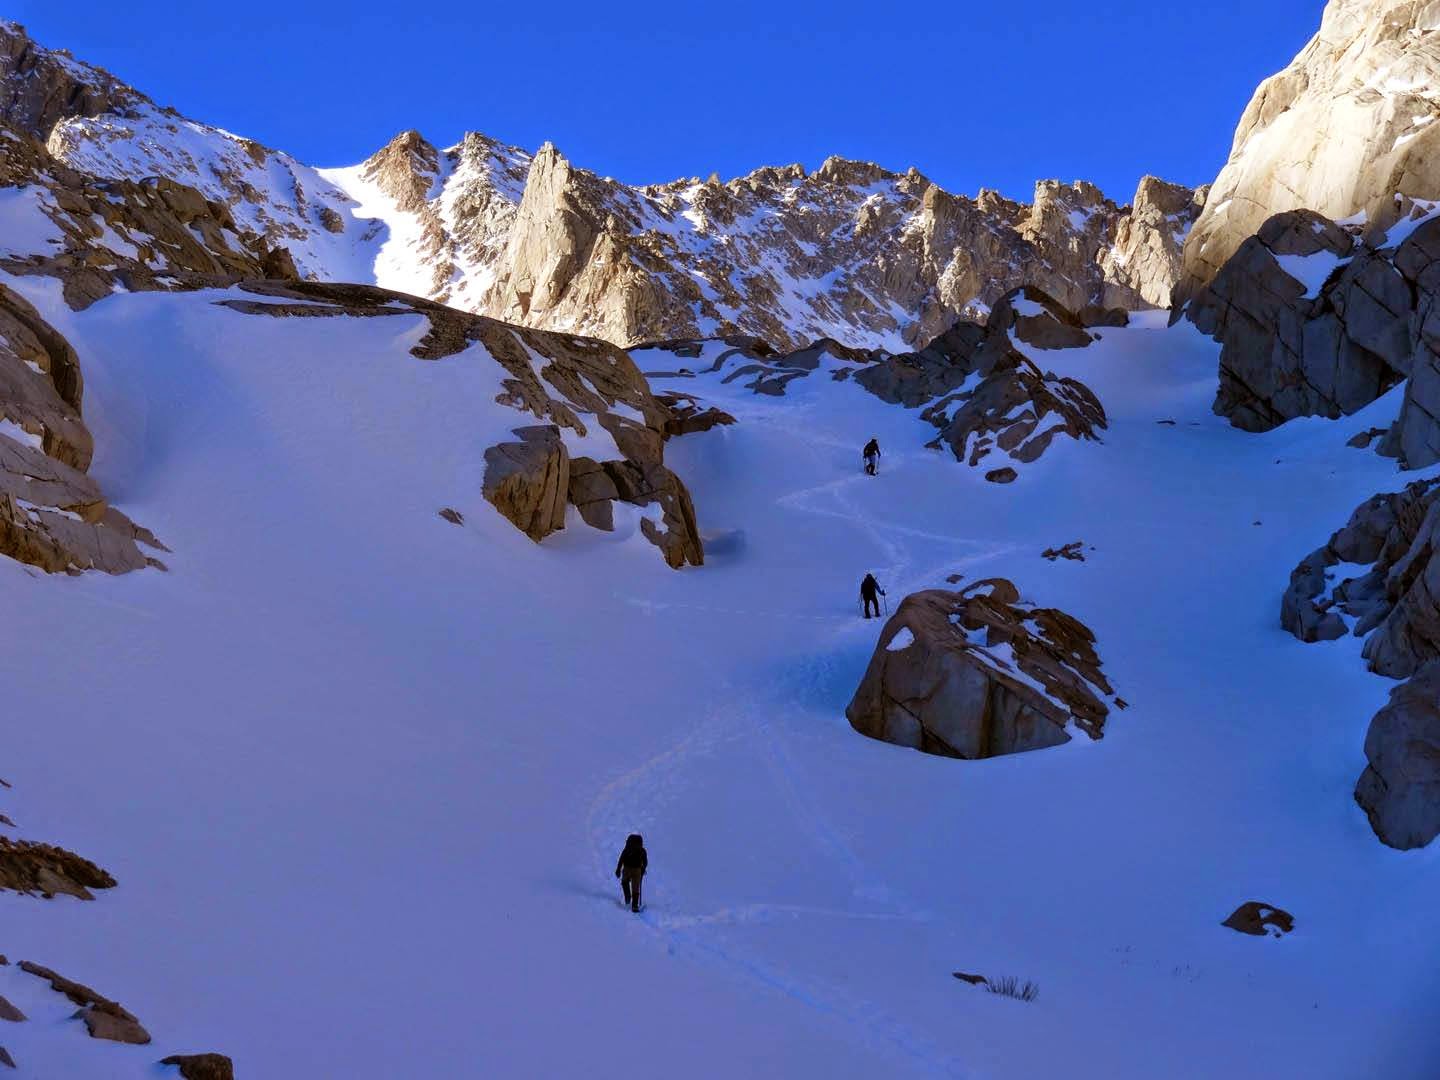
(1260, 920)
(104, 1019)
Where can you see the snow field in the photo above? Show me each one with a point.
(363, 775)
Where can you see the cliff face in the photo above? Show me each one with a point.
(1341, 131)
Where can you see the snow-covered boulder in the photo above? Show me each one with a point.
(1260, 920)
(1416, 436)
(104, 1018)
(913, 379)
(1376, 578)
(1408, 635)
(690, 416)
(1271, 368)
(1400, 787)
(977, 673)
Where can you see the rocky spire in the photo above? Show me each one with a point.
(405, 168)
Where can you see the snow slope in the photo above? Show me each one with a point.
(363, 775)
(268, 191)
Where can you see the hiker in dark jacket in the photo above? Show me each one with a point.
(630, 869)
(870, 592)
(871, 453)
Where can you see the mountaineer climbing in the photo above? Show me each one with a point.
(871, 454)
(630, 869)
(870, 593)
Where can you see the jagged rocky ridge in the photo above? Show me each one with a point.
(100, 235)
(850, 251)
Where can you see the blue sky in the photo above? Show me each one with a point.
(989, 94)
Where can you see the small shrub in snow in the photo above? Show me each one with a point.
(1011, 987)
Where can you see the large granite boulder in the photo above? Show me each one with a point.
(942, 366)
(977, 673)
(529, 481)
(1415, 438)
(1400, 787)
(1282, 356)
